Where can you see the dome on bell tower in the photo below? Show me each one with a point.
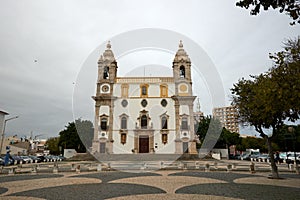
(181, 55)
(108, 55)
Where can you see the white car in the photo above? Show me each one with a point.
(291, 158)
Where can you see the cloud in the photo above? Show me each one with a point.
(60, 35)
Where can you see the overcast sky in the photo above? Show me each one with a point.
(44, 44)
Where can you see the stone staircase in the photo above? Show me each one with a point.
(144, 157)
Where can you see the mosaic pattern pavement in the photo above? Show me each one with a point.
(158, 185)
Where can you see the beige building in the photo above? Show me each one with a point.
(228, 117)
(144, 114)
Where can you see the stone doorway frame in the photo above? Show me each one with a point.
(142, 133)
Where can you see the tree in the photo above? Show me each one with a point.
(85, 128)
(228, 138)
(288, 141)
(52, 144)
(289, 7)
(268, 99)
(211, 134)
(253, 143)
(69, 137)
(286, 74)
(203, 128)
(209, 131)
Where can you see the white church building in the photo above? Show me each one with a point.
(144, 114)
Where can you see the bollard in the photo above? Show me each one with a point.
(99, 167)
(184, 166)
(73, 167)
(216, 165)
(234, 166)
(207, 167)
(34, 169)
(229, 167)
(55, 169)
(196, 165)
(291, 167)
(297, 169)
(252, 169)
(78, 169)
(143, 166)
(179, 165)
(11, 171)
(162, 165)
(90, 167)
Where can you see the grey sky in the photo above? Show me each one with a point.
(60, 35)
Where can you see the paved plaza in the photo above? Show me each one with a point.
(154, 184)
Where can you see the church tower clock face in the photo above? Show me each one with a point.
(105, 88)
(183, 88)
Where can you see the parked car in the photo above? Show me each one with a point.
(291, 159)
(245, 156)
(62, 158)
(254, 157)
(26, 159)
(35, 159)
(263, 157)
(235, 157)
(42, 158)
(17, 159)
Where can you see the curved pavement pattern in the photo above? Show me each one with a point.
(159, 185)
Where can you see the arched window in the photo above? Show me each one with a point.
(144, 122)
(123, 123)
(106, 73)
(164, 123)
(184, 123)
(182, 71)
(103, 124)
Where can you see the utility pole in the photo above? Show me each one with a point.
(3, 132)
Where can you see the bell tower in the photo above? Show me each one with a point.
(104, 102)
(107, 70)
(182, 72)
(184, 101)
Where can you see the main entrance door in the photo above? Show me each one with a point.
(144, 144)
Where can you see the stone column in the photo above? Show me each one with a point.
(178, 143)
(95, 144)
(96, 122)
(110, 128)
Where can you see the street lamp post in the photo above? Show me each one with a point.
(3, 131)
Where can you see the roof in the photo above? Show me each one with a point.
(3, 112)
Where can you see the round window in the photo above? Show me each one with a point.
(144, 102)
(164, 103)
(124, 103)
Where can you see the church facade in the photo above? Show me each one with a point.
(144, 114)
